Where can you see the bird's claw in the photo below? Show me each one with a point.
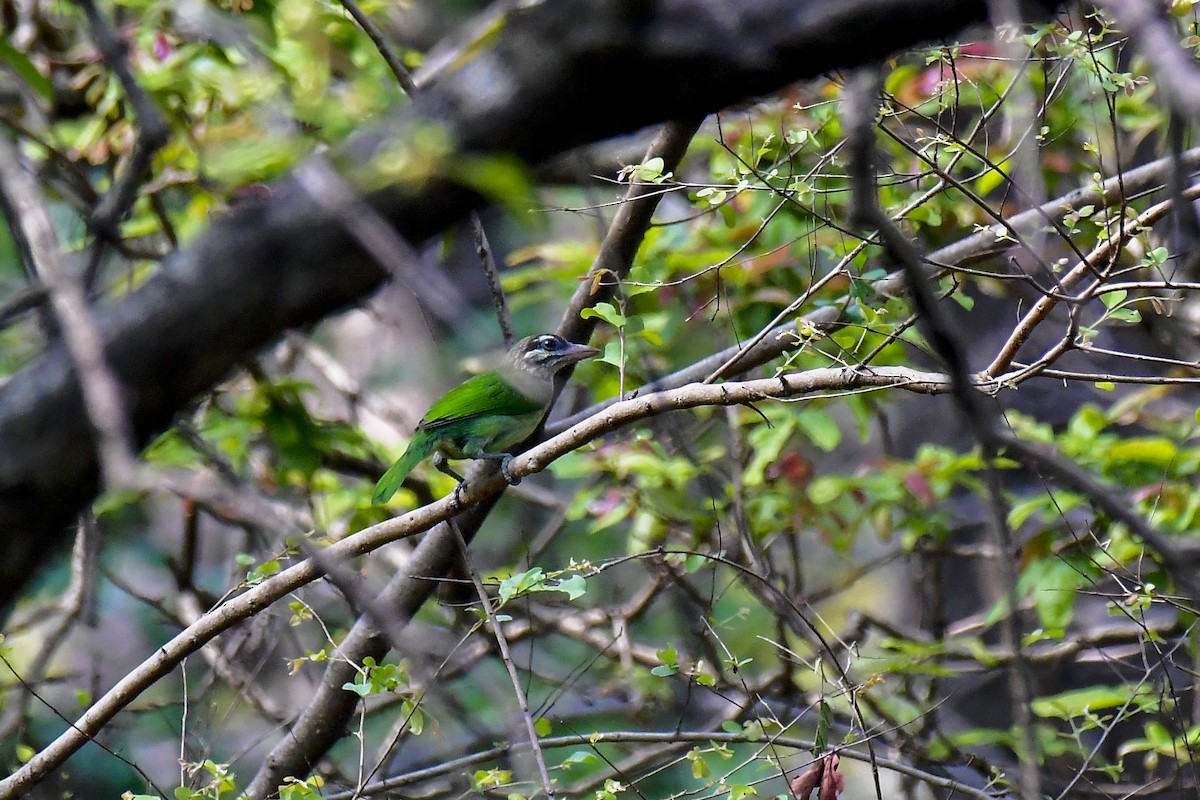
(508, 475)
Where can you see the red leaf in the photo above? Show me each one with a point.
(822, 773)
(833, 782)
(918, 486)
(162, 47)
(792, 467)
(804, 783)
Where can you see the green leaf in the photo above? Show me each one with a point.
(976, 737)
(1088, 422)
(741, 791)
(997, 612)
(612, 355)
(574, 587)
(989, 181)
(1078, 702)
(501, 178)
(766, 444)
(579, 757)
(1025, 509)
(820, 428)
(826, 489)
(414, 715)
(668, 655)
(1113, 299)
(1054, 593)
(824, 723)
(651, 169)
(115, 500)
(21, 65)
(521, 583)
(611, 517)
(1156, 257)
(607, 312)
(1158, 451)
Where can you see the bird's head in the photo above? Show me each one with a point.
(547, 353)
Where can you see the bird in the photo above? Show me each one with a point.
(488, 413)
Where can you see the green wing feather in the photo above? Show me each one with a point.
(487, 393)
(420, 446)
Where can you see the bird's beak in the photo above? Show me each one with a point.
(576, 353)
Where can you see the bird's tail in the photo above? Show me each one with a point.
(420, 446)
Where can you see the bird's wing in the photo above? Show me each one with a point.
(485, 394)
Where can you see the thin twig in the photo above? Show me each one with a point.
(253, 600)
(1092, 265)
(395, 64)
(1156, 40)
(353, 588)
(22, 300)
(101, 392)
(862, 92)
(783, 337)
(506, 656)
(389, 249)
(152, 130)
(84, 557)
(662, 737)
(626, 233)
(488, 261)
(377, 241)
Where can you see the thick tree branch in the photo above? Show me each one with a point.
(326, 715)
(557, 75)
(323, 719)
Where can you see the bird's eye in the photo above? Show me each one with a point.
(549, 343)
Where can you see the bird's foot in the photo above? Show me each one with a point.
(504, 462)
(442, 464)
(458, 490)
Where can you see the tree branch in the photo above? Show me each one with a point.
(323, 720)
(545, 84)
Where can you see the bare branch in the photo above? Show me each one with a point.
(626, 232)
(862, 95)
(488, 262)
(403, 77)
(84, 338)
(151, 128)
(1157, 42)
(406, 590)
(506, 656)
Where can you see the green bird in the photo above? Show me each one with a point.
(488, 413)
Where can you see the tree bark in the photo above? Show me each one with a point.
(558, 74)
